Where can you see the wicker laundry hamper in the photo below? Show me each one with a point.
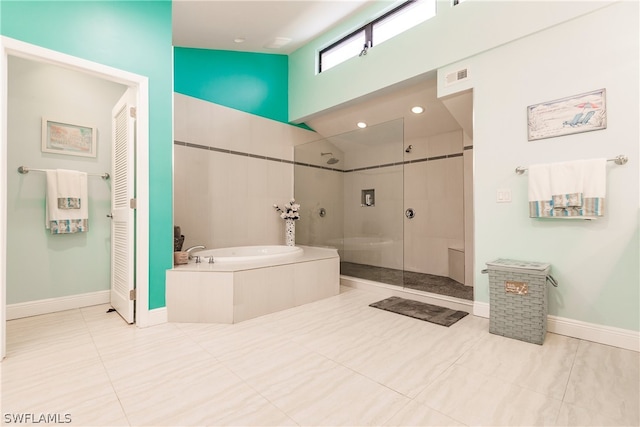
(518, 299)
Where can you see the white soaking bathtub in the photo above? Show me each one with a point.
(248, 253)
(244, 283)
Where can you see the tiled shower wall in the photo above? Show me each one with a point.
(434, 188)
(316, 189)
(437, 184)
(230, 167)
(364, 235)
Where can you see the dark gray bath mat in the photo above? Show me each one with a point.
(420, 310)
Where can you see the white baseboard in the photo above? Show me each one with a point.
(608, 335)
(52, 305)
(481, 309)
(156, 316)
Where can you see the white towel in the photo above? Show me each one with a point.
(595, 186)
(568, 189)
(540, 198)
(63, 184)
(567, 181)
(595, 177)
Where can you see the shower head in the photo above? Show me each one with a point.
(332, 160)
(408, 150)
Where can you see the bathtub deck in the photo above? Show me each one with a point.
(233, 292)
(310, 253)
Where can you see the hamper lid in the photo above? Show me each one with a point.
(512, 264)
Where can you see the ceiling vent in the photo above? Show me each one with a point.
(456, 77)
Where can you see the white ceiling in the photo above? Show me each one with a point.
(212, 24)
(392, 104)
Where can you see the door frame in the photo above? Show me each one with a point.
(140, 84)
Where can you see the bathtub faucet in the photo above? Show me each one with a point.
(188, 250)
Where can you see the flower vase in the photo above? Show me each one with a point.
(290, 232)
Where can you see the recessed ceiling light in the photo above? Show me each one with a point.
(362, 125)
(417, 109)
(239, 40)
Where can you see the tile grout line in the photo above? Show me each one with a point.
(531, 390)
(235, 374)
(291, 340)
(566, 386)
(360, 374)
(106, 371)
(573, 363)
(341, 310)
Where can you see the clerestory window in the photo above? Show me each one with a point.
(405, 16)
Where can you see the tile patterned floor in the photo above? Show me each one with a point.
(333, 362)
(408, 279)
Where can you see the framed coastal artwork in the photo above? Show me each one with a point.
(574, 114)
(70, 139)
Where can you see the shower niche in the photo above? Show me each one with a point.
(368, 198)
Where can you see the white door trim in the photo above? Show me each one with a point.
(13, 47)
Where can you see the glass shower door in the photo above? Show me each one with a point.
(352, 187)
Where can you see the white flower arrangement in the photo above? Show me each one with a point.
(291, 210)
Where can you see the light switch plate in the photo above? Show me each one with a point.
(503, 195)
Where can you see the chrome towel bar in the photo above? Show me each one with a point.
(619, 160)
(24, 170)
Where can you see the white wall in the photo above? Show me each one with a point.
(224, 199)
(455, 33)
(596, 262)
(518, 54)
(41, 265)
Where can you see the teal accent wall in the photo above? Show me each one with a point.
(255, 83)
(134, 36)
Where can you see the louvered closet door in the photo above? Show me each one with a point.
(123, 214)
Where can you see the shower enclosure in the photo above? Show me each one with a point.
(393, 210)
(352, 199)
